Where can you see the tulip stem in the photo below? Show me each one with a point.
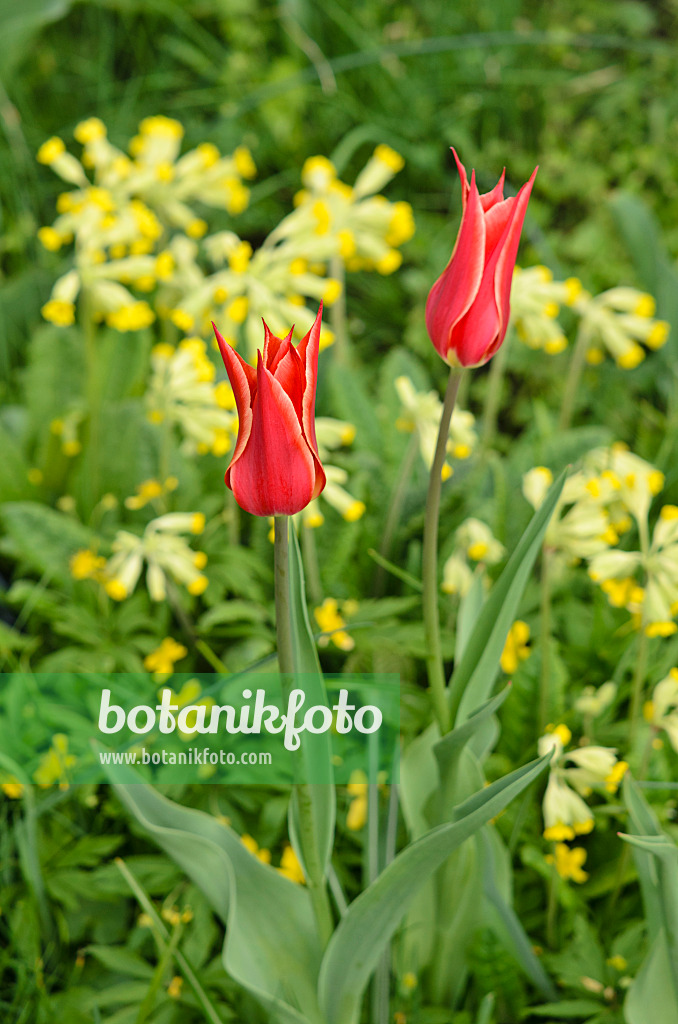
(282, 594)
(434, 656)
(313, 867)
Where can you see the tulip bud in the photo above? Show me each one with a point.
(467, 311)
(275, 469)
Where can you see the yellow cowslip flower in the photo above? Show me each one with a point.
(565, 814)
(357, 789)
(238, 309)
(145, 492)
(85, 564)
(516, 648)
(618, 962)
(478, 542)
(251, 844)
(290, 866)
(131, 318)
(244, 164)
(91, 130)
(51, 239)
(175, 986)
(11, 787)
(592, 702)
(55, 764)
(59, 312)
(50, 150)
(331, 623)
(163, 658)
(318, 173)
(569, 862)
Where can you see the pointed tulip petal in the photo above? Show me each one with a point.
(275, 475)
(455, 290)
(244, 383)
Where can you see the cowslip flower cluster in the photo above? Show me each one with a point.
(661, 712)
(352, 222)
(421, 412)
(333, 624)
(163, 551)
(118, 219)
(619, 321)
(474, 542)
(467, 311)
(654, 599)
(573, 775)
(580, 525)
(536, 300)
(182, 393)
(332, 223)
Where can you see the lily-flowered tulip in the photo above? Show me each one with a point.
(275, 469)
(467, 310)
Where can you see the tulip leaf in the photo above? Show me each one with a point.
(508, 924)
(653, 988)
(271, 947)
(476, 671)
(369, 923)
(316, 748)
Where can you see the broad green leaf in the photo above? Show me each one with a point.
(316, 748)
(474, 675)
(653, 996)
(517, 941)
(469, 609)
(362, 934)
(645, 823)
(271, 946)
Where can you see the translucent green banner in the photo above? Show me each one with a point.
(66, 729)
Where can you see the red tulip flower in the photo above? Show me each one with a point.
(275, 469)
(467, 310)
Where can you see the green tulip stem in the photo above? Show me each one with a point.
(434, 656)
(282, 594)
(304, 801)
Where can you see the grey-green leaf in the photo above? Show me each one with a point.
(474, 675)
(359, 940)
